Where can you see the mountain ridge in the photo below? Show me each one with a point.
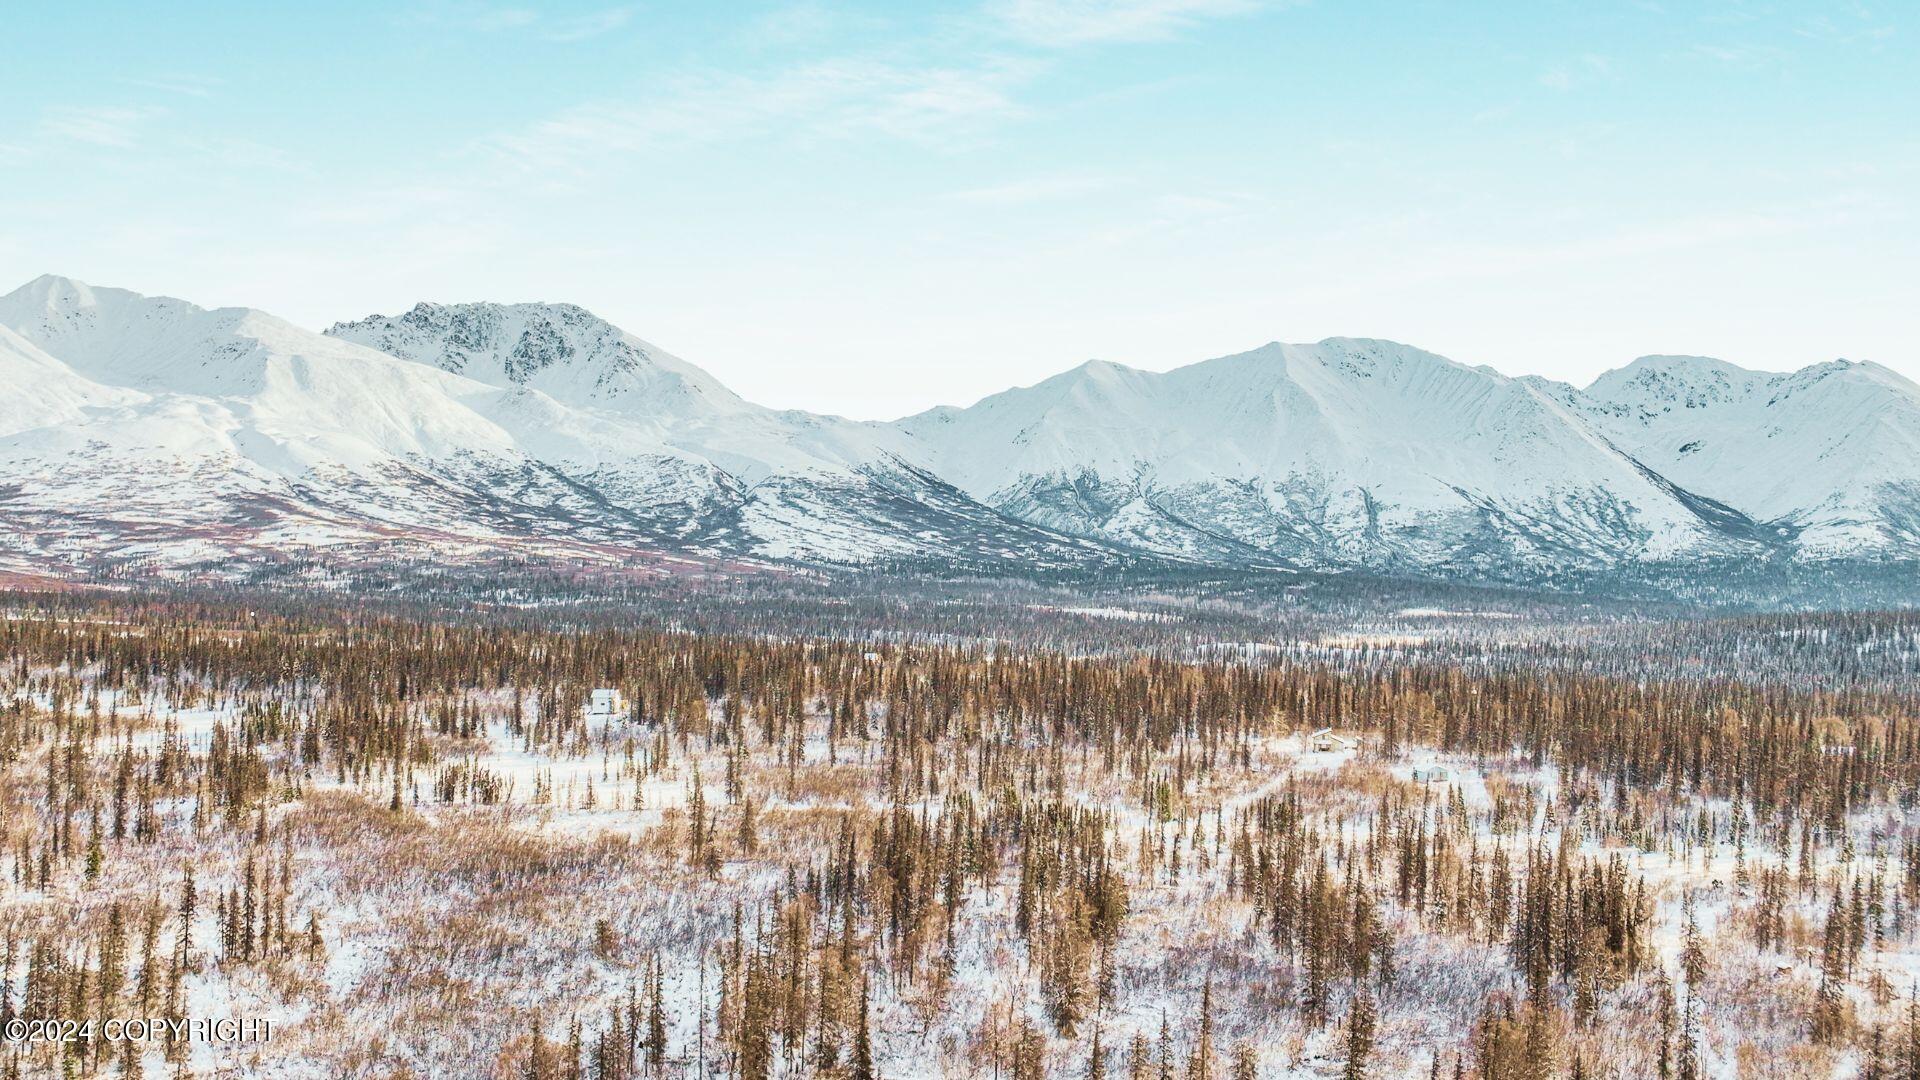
(542, 424)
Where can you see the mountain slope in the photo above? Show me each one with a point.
(235, 433)
(43, 392)
(1829, 454)
(586, 363)
(559, 349)
(1347, 451)
(251, 435)
(146, 431)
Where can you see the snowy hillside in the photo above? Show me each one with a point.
(232, 434)
(1829, 454)
(41, 391)
(583, 362)
(1345, 451)
(558, 349)
(148, 431)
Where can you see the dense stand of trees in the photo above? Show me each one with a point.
(976, 767)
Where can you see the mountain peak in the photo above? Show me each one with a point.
(48, 282)
(563, 350)
(1349, 361)
(50, 292)
(53, 293)
(1660, 384)
(108, 334)
(1102, 370)
(1673, 365)
(1363, 344)
(60, 294)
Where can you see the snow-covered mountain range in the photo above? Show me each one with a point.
(145, 431)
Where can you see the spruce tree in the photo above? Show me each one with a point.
(863, 1042)
(1360, 1022)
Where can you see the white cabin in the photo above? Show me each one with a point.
(1432, 774)
(605, 702)
(1326, 741)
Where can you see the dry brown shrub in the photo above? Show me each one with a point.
(1752, 1061)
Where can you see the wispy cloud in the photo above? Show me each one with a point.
(806, 22)
(592, 24)
(1035, 190)
(1740, 56)
(1177, 213)
(1865, 26)
(1059, 23)
(947, 87)
(98, 125)
(1420, 263)
(185, 85)
(830, 99)
(1588, 68)
(504, 19)
(492, 19)
(238, 153)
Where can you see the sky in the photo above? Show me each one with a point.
(873, 208)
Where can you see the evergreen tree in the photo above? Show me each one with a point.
(1360, 1022)
(656, 1040)
(1829, 1003)
(1140, 1058)
(863, 1043)
(1668, 1022)
(1200, 1065)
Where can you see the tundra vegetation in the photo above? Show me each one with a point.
(1674, 849)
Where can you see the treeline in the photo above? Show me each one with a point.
(356, 695)
(979, 771)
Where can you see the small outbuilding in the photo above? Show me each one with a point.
(605, 702)
(1432, 774)
(1327, 741)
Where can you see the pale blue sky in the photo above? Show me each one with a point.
(874, 208)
